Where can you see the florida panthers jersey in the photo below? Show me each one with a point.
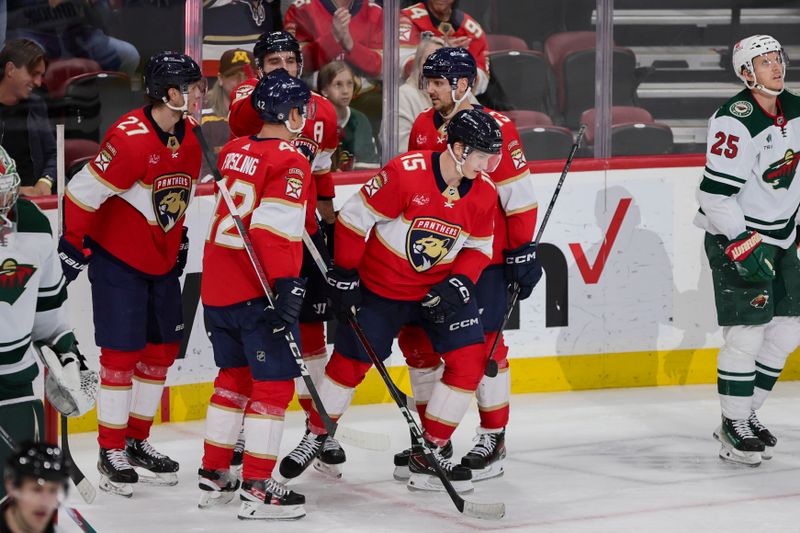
(420, 230)
(130, 200)
(267, 179)
(749, 181)
(515, 221)
(33, 296)
(417, 19)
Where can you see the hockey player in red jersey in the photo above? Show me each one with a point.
(447, 74)
(268, 177)
(127, 206)
(318, 140)
(417, 236)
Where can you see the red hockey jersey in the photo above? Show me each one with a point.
(311, 22)
(515, 221)
(417, 236)
(416, 19)
(131, 198)
(319, 138)
(267, 179)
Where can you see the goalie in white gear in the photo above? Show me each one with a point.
(749, 198)
(33, 309)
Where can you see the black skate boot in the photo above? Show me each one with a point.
(238, 455)
(218, 486)
(266, 499)
(485, 459)
(117, 476)
(302, 456)
(141, 454)
(401, 461)
(423, 475)
(331, 456)
(764, 435)
(739, 444)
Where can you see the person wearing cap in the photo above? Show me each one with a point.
(35, 480)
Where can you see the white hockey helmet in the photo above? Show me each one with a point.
(9, 184)
(748, 49)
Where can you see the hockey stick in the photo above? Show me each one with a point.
(491, 365)
(487, 511)
(361, 439)
(71, 511)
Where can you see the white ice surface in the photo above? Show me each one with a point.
(638, 460)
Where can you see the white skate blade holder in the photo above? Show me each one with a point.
(210, 499)
(401, 473)
(430, 483)
(332, 471)
(494, 470)
(166, 479)
(120, 489)
(249, 510)
(731, 455)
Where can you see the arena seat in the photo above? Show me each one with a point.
(498, 42)
(523, 118)
(95, 101)
(78, 152)
(545, 142)
(520, 79)
(59, 71)
(633, 132)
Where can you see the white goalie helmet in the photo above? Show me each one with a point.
(748, 49)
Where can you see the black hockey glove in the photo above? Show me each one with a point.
(345, 292)
(183, 252)
(289, 293)
(73, 262)
(523, 268)
(445, 299)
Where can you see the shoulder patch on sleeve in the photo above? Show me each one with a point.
(31, 219)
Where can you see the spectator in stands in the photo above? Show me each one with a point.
(25, 130)
(356, 150)
(457, 28)
(71, 28)
(338, 30)
(412, 101)
(235, 66)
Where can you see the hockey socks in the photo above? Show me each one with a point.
(736, 369)
(494, 393)
(315, 356)
(225, 415)
(263, 427)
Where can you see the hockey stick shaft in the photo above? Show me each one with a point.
(491, 365)
(489, 511)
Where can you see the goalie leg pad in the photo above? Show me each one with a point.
(149, 376)
(263, 427)
(781, 337)
(225, 416)
(736, 367)
(114, 399)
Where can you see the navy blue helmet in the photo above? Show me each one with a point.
(38, 460)
(169, 69)
(451, 64)
(276, 41)
(477, 130)
(277, 94)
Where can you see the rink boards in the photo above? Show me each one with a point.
(626, 300)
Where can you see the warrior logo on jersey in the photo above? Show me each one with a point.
(170, 198)
(428, 242)
(780, 174)
(375, 183)
(13, 279)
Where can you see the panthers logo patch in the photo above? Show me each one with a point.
(13, 279)
(780, 174)
(428, 242)
(170, 198)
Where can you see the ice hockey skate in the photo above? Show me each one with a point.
(764, 435)
(331, 456)
(486, 458)
(117, 476)
(266, 499)
(218, 487)
(738, 443)
(401, 461)
(302, 456)
(141, 454)
(423, 475)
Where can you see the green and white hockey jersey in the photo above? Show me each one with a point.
(749, 181)
(33, 296)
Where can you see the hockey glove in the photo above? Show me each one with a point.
(445, 299)
(523, 268)
(750, 257)
(289, 293)
(73, 262)
(70, 386)
(183, 252)
(345, 292)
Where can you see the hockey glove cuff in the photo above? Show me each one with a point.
(445, 299)
(750, 257)
(523, 268)
(73, 262)
(289, 294)
(345, 292)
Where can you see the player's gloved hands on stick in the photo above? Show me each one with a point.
(523, 268)
(183, 252)
(445, 299)
(750, 257)
(289, 293)
(345, 292)
(73, 262)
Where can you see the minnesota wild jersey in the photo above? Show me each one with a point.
(33, 293)
(749, 181)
